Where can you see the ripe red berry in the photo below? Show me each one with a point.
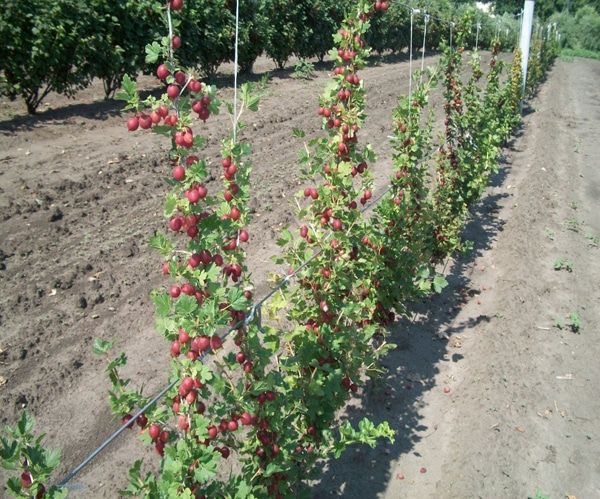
(26, 480)
(127, 420)
(216, 342)
(133, 123)
(175, 224)
(142, 421)
(173, 91)
(176, 4)
(162, 72)
(145, 121)
(212, 432)
(234, 214)
(154, 431)
(203, 343)
(179, 173)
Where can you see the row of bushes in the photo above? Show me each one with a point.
(267, 397)
(61, 46)
(580, 31)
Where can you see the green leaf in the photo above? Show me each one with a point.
(439, 283)
(163, 303)
(161, 243)
(298, 133)
(153, 52)
(272, 468)
(102, 347)
(9, 454)
(25, 424)
(237, 299)
(128, 85)
(170, 204)
(243, 490)
(186, 305)
(52, 458)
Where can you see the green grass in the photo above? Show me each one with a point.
(568, 54)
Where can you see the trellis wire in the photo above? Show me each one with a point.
(410, 53)
(235, 69)
(423, 52)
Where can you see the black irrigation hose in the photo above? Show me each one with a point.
(65, 480)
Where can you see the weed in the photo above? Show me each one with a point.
(563, 263)
(540, 495)
(592, 240)
(575, 322)
(550, 234)
(574, 203)
(304, 69)
(573, 224)
(261, 87)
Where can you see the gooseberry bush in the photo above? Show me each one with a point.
(251, 408)
(261, 399)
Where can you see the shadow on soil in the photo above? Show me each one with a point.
(100, 111)
(411, 367)
(103, 109)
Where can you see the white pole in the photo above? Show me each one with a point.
(526, 40)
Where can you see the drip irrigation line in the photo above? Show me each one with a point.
(66, 480)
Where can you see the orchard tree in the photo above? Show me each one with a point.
(43, 49)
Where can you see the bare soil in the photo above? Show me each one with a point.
(80, 197)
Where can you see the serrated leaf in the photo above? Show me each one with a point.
(237, 299)
(246, 149)
(243, 490)
(153, 52)
(439, 283)
(298, 133)
(186, 305)
(163, 303)
(272, 468)
(161, 243)
(128, 85)
(52, 458)
(101, 347)
(170, 204)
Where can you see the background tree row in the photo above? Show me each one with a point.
(61, 45)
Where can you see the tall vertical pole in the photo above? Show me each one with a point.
(525, 41)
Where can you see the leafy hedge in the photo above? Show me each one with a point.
(61, 46)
